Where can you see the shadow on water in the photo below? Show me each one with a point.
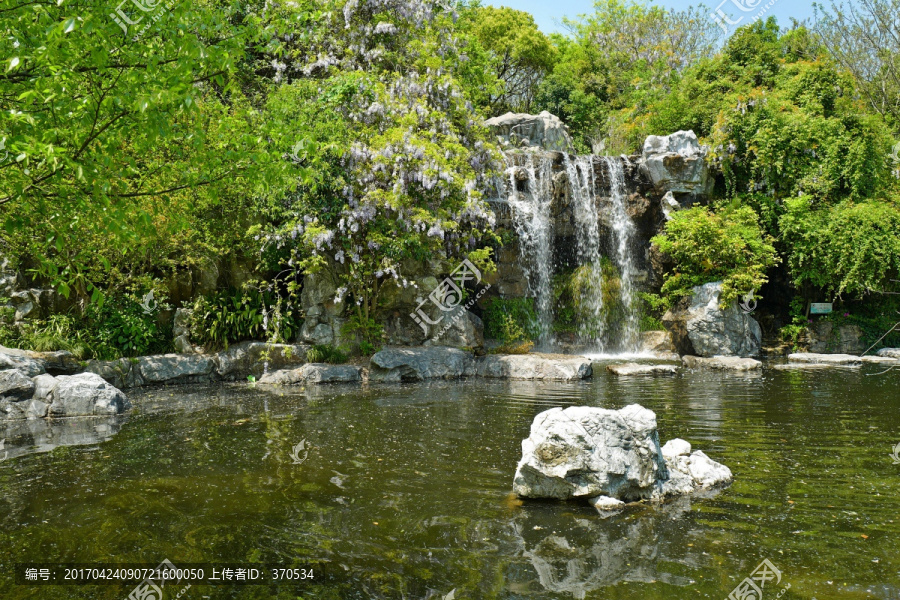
(403, 491)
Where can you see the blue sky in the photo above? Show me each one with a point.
(548, 14)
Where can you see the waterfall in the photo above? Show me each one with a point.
(582, 188)
(528, 192)
(623, 245)
(531, 216)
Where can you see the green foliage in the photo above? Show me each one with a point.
(574, 292)
(875, 317)
(513, 322)
(366, 334)
(787, 144)
(792, 333)
(707, 246)
(852, 247)
(650, 323)
(119, 327)
(115, 139)
(232, 316)
(57, 332)
(323, 353)
(623, 57)
(512, 50)
(520, 310)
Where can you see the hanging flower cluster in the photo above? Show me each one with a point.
(418, 159)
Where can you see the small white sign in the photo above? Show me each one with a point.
(820, 308)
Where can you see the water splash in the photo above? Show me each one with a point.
(531, 218)
(623, 248)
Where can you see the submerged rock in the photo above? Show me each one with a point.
(586, 452)
(35, 436)
(880, 360)
(314, 373)
(722, 363)
(534, 366)
(417, 364)
(639, 369)
(701, 327)
(606, 503)
(824, 359)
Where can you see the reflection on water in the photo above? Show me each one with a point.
(404, 491)
(574, 555)
(44, 435)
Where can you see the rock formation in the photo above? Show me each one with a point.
(701, 327)
(608, 456)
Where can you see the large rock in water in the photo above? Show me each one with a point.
(585, 452)
(544, 130)
(700, 327)
(314, 373)
(631, 368)
(175, 368)
(85, 394)
(15, 385)
(824, 359)
(721, 363)
(416, 364)
(534, 366)
(676, 163)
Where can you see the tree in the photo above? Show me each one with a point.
(518, 55)
(864, 38)
(112, 121)
(851, 248)
(406, 155)
(620, 59)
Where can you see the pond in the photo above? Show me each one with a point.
(403, 491)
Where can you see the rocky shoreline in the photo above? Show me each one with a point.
(55, 384)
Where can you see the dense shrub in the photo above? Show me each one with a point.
(513, 322)
(235, 315)
(852, 248)
(323, 353)
(118, 327)
(727, 246)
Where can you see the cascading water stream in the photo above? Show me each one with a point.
(613, 328)
(531, 216)
(587, 236)
(623, 238)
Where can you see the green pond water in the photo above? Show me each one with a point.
(404, 490)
